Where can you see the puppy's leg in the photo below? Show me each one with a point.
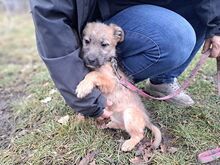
(135, 128)
(94, 79)
(86, 85)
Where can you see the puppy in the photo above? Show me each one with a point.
(128, 112)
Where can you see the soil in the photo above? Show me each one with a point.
(7, 119)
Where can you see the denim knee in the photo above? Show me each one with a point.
(177, 48)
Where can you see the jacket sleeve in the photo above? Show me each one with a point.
(209, 13)
(58, 46)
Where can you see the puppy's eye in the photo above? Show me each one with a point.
(103, 44)
(87, 41)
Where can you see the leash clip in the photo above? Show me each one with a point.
(114, 64)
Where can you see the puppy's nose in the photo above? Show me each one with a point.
(90, 60)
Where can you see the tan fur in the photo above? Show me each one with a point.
(128, 111)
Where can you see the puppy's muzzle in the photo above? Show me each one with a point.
(92, 62)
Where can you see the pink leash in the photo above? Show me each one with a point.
(186, 83)
(209, 155)
(213, 154)
(218, 74)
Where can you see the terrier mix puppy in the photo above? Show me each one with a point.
(128, 112)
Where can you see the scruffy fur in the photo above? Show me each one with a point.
(128, 112)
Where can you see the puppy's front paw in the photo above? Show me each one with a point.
(83, 89)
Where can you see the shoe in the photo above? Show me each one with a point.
(162, 90)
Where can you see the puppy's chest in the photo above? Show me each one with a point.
(120, 96)
(113, 89)
(115, 96)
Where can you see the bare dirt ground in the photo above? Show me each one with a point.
(7, 122)
(10, 94)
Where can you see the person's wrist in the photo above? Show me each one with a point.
(101, 112)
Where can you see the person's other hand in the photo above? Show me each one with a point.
(107, 113)
(214, 45)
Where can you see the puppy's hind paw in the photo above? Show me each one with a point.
(83, 89)
(128, 145)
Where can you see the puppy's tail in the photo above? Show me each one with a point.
(157, 134)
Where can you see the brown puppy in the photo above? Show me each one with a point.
(99, 46)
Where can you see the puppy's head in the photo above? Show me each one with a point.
(99, 43)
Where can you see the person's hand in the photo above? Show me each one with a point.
(214, 45)
(106, 114)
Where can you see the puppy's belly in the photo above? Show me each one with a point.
(123, 99)
(117, 117)
(121, 105)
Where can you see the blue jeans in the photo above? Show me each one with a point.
(159, 43)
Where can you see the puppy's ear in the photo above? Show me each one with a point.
(118, 33)
(88, 25)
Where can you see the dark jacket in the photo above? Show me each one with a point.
(59, 25)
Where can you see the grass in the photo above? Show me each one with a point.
(37, 137)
